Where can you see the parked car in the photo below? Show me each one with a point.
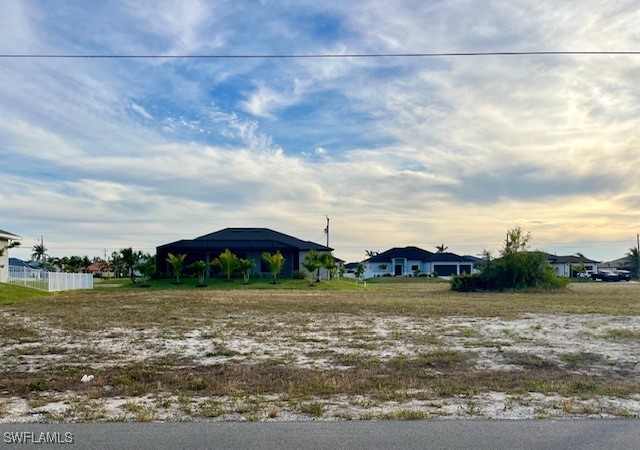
(624, 275)
(605, 275)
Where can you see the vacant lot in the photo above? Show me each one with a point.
(400, 351)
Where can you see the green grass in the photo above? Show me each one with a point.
(182, 307)
(262, 283)
(10, 294)
(622, 334)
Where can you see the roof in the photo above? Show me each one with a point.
(475, 259)
(7, 235)
(615, 264)
(416, 254)
(568, 259)
(17, 262)
(412, 253)
(252, 238)
(96, 266)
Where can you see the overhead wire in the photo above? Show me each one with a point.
(320, 55)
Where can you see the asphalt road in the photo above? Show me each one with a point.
(435, 434)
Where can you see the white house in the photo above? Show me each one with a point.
(564, 266)
(5, 239)
(410, 261)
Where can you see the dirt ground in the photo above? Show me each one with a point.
(261, 363)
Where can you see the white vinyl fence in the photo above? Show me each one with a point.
(49, 281)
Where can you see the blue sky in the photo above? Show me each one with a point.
(101, 154)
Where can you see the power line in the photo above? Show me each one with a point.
(319, 55)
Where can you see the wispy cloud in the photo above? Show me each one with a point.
(399, 151)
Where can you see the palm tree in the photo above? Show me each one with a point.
(274, 262)
(245, 265)
(632, 262)
(75, 262)
(86, 262)
(146, 266)
(201, 269)
(130, 258)
(312, 262)
(227, 261)
(441, 248)
(39, 252)
(116, 263)
(176, 262)
(327, 261)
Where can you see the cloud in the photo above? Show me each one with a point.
(398, 151)
(140, 110)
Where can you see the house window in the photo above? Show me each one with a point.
(415, 267)
(588, 267)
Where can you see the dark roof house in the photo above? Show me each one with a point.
(247, 243)
(403, 261)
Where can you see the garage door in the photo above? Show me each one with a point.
(445, 270)
(466, 268)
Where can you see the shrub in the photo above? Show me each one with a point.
(517, 269)
(299, 275)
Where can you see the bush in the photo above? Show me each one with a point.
(514, 271)
(299, 275)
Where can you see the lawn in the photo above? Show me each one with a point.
(334, 351)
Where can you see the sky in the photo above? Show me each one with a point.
(98, 154)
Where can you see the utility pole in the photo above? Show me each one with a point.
(326, 230)
(44, 256)
(638, 247)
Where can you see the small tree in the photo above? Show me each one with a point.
(517, 242)
(578, 268)
(517, 269)
(341, 269)
(359, 273)
(245, 265)
(274, 262)
(176, 262)
(328, 262)
(227, 261)
(311, 263)
(147, 268)
(200, 267)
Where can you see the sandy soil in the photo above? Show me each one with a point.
(593, 345)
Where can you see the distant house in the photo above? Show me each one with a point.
(5, 239)
(564, 266)
(15, 262)
(613, 265)
(246, 243)
(407, 261)
(96, 269)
